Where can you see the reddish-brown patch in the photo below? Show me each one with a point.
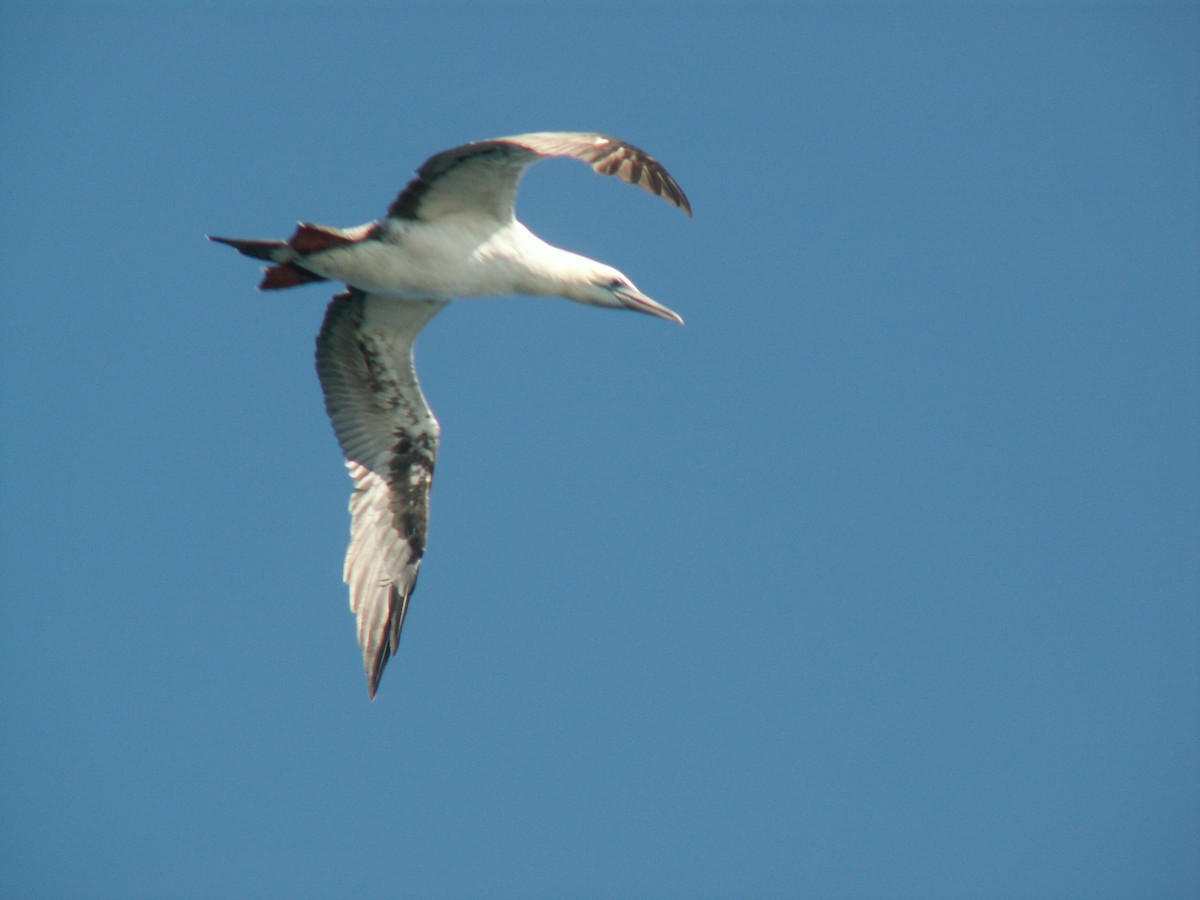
(287, 275)
(313, 239)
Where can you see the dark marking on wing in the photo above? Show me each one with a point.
(407, 205)
(390, 441)
(605, 154)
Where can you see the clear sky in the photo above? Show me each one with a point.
(880, 578)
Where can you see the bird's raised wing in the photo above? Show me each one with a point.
(390, 439)
(482, 177)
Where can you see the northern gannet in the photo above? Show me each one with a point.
(451, 233)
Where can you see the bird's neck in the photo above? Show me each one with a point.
(551, 271)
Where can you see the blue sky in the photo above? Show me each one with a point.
(880, 578)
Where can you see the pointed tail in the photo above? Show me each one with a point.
(276, 277)
(257, 249)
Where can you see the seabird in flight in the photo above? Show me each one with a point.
(451, 233)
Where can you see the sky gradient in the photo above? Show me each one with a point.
(879, 578)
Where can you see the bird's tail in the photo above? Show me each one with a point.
(284, 274)
(256, 249)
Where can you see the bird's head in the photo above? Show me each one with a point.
(605, 286)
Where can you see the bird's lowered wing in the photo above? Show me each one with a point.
(390, 440)
(482, 177)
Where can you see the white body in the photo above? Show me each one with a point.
(457, 257)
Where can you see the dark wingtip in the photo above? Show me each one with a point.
(674, 194)
(376, 672)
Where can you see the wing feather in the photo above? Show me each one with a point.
(390, 438)
(483, 176)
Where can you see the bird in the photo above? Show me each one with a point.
(451, 233)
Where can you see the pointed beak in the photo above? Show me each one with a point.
(632, 298)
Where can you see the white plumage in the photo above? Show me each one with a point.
(451, 232)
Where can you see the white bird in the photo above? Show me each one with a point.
(451, 232)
